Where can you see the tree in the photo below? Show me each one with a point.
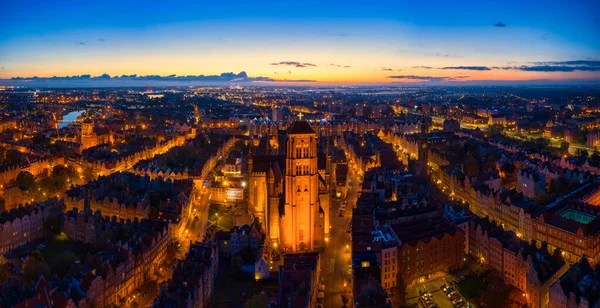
(88, 174)
(471, 167)
(58, 180)
(580, 136)
(104, 237)
(564, 147)
(399, 292)
(495, 129)
(62, 263)
(257, 301)
(345, 300)
(222, 300)
(235, 265)
(35, 266)
(3, 271)
(543, 198)
(583, 153)
(24, 178)
(559, 186)
(52, 226)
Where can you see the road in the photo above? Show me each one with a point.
(197, 222)
(194, 231)
(336, 257)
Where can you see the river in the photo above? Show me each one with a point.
(70, 118)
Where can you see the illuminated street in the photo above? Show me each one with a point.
(337, 253)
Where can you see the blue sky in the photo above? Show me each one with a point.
(370, 39)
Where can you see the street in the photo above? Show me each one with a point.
(196, 224)
(335, 269)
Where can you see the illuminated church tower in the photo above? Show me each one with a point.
(88, 139)
(300, 225)
(288, 190)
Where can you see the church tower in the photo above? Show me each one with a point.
(88, 139)
(300, 227)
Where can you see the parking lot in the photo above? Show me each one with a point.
(445, 297)
(433, 287)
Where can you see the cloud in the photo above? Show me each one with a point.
(101, 39)
(416, 77)
(2, 68)
(339, 65)
(229, 76)
(286, 80)
(469, 68)
(557, 66)
(457, 78)
(499, 25)
(544, 37)
(387, 69)
(82, 43)
(293, 63)
(430, 54)
(106, 79)
(572, 62)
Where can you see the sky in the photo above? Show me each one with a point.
(338, 42)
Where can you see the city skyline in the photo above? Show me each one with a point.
(308, 43)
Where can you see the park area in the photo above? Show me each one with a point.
(470, 287)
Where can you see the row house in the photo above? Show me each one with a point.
(82, 226)
(119, 163)
(127, 195)
(33, 165)
(298, 280)
(157, 172)
(240, 238)
(25, 224)
(571, 227)
(531, 183)
(111, 276)
(577, 287)
(529, 268)
(428, 248)
(193, 278)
